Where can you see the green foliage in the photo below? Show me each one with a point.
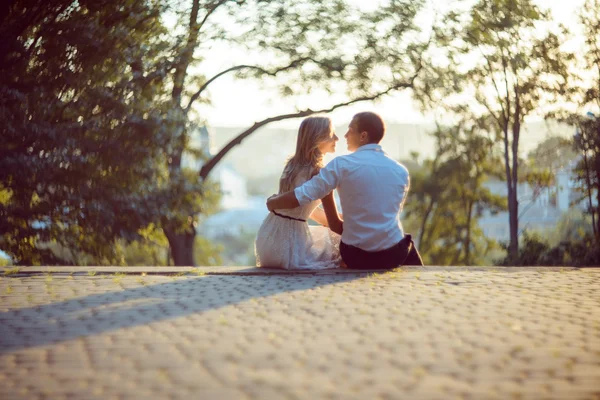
(86, 139)
(238, 248)
(97, 98)
(4, 262)
(496, 63)
(571, 243)
(587, 169)
(585, 94)
(151, 249)
(81, 143)
(208, 253)
(587, 140)
(574, 225)
(590, 21)
(11, 271)
(535, 251)
(325, 45)
(553, 153)
(447, 198)
(294, 46)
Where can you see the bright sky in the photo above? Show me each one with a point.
(241, 103)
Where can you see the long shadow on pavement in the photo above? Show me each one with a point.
(98, 313)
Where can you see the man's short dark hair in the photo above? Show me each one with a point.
(372, 124)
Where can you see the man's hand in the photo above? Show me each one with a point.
(270, 202)
(282, 201)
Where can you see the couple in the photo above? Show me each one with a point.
(372, 188)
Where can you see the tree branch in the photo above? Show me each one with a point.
(491, 112)
(209, 166)
(516, 130)
(504, 127)
(186, 54)
(491, 71)
(293, 64)
(208, 14)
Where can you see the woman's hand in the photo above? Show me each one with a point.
(333, 219)
(318, 215)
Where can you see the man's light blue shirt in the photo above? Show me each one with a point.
(372, 188)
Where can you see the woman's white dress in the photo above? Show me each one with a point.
(290, 244)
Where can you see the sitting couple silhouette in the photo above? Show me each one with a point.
(372, 189)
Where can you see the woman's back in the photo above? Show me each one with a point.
(302, 212)
(285, 240)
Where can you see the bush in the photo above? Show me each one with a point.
(4, 261)
(535, 251)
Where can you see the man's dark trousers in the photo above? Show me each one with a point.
(403, 253)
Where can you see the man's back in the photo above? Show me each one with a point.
(372, 188)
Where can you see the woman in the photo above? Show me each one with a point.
(285, 240)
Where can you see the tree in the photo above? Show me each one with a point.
(99, 100)
(568, 244)
(540, 166)
(584, 95)
(81, 163)
(448, 197)
(301, 46)
(587, 140)
(502, 62)
(553, 153)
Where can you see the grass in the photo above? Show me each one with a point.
(11, 271)
(118, 276)
(49, 288)
(197, 272)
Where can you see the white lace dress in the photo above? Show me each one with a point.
(291, 244)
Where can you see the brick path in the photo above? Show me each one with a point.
(426, 333)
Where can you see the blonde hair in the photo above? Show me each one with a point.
(308, 159)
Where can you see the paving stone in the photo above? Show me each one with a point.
(419, 333)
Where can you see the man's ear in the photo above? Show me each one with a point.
(364, 137)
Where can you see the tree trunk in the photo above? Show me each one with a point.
(513, 205)
(182, 246)
(596, 211)
(468, 235)
(513, 209)
(424, 224)
(513, 223)
(588, 182)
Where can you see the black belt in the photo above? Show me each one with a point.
(285, 216)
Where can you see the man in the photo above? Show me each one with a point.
(372, 189)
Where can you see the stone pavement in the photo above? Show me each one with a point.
(239, 333)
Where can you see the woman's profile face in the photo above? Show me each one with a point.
(328, 145)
